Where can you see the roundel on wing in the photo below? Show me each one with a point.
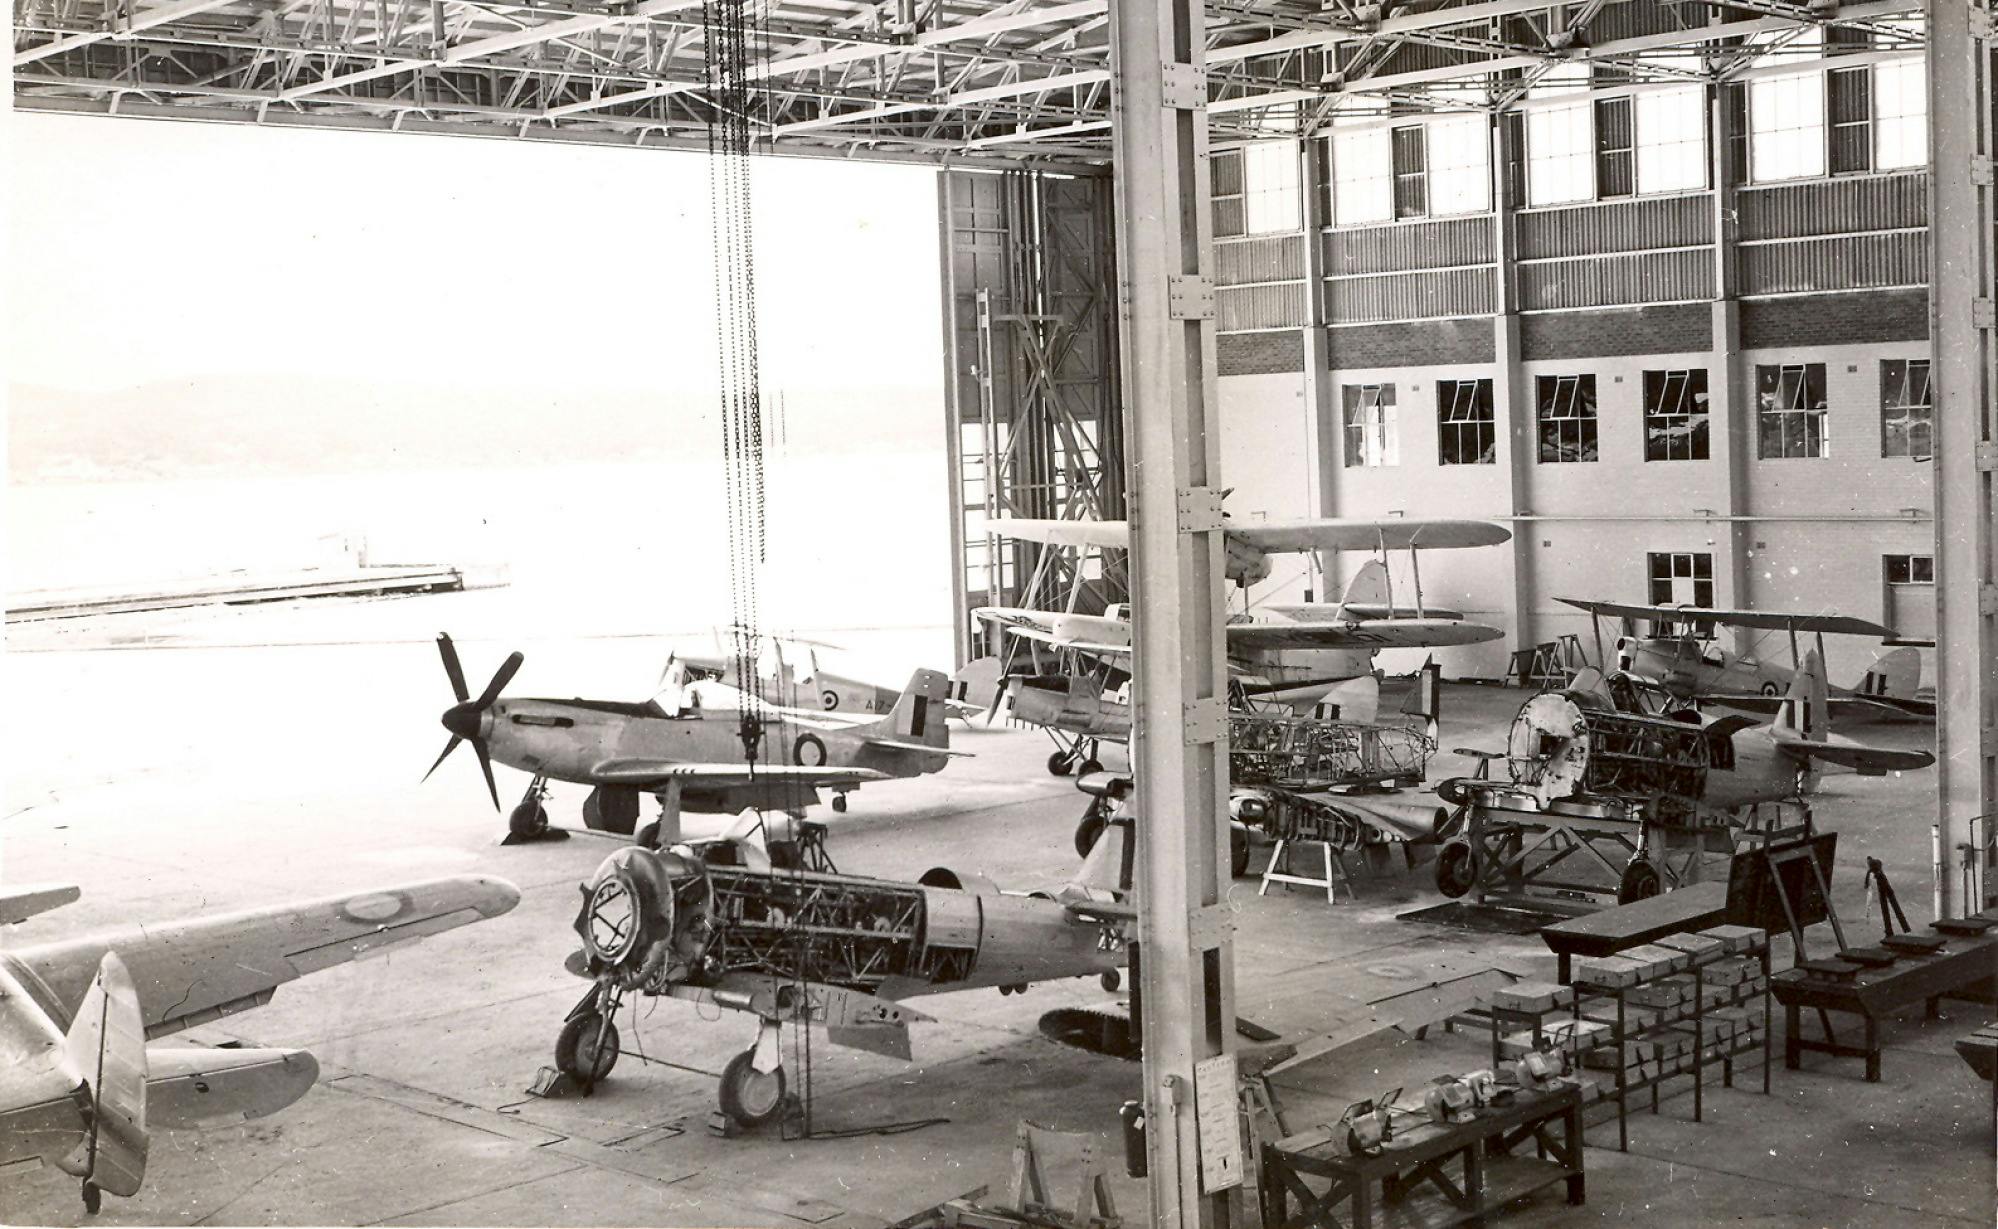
(808, 751)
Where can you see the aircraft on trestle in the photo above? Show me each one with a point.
(695, 746)
(1300, 655)
(82, 1087)
(716, 924)
(1691, 665)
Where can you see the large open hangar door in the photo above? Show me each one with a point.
(1030, 303)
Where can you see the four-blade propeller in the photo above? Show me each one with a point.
(466, 718)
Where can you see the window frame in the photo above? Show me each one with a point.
(1359, 417)
(1809, 418)
(1473, 413)
(1575, 414)
(1908, 418)
(1695, 423)
(1680, 565)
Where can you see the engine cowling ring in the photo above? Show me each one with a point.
(639, 914)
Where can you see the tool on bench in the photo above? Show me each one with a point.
(1890, 905)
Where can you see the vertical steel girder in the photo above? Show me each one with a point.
(1963, 292)
(1179, 738)
(1029, 276)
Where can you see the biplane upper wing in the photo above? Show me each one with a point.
(1393, 533)
(188, 973)
(1842, 625)
(1113, 534)
(1359, 634)
(1310, 611)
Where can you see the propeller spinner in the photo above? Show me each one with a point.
(466, 718)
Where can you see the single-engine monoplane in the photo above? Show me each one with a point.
(717, 925)
(694, 746)
(82, 1087)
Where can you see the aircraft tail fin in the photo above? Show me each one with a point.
(1358, 700)
(1369, 586)
(1895, 674)
(919, 714)
(107, 1044)
(1805, 711)
(1425, 700)
(977, 683)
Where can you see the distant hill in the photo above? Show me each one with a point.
(272, 425)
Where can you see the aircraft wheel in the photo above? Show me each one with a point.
(1641, 881)
(528, 819)
(1088, 832)
(839, 803)
(1238, 850)
(93, 1199)
(1456, 869)
(1059, 765)
(648, 836)
(1090, 765)
(749, 1096)
(577, 1052)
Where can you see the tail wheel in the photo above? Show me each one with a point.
(748, 1096)
(1088, 832)
(1060, 765)
(1456, 869)
(528, 819)
(1238, 850)
(585, 1052)
(1641, 881)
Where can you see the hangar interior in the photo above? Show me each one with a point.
(1653, 283)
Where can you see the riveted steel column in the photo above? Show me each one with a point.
(1963, 289)
(1180, 730)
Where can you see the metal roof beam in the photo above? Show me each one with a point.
(157, 16)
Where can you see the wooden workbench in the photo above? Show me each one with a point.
(1610, 931)
(1390, 1185)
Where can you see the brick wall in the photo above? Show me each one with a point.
(1420, 343)
(1265, 353)
(1835, 319)
(1672, 328)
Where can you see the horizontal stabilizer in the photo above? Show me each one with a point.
(1865, 760)
(23, 901)
(197, 1086)
(895, 744)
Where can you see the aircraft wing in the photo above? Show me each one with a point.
(654, 774)
(1756, 702)
(23, 901)
(1865, 760)
(1114, 534)
(1842, 625)
(1359, 634)
(1063, 642)
(1394, 533)
(1111, 912)
(1312, 611)
(188, 973)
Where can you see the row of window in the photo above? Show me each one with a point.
(1686, 578)
(1834, 121)
(1791, 409)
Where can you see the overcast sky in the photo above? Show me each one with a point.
(143, 251)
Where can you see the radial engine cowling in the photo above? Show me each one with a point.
(1568, 743)
(643, 918)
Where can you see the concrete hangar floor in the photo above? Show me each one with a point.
(182, 764)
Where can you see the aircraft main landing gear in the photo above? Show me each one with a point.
(529, 819)
(1080, 756)
(752, 1085)
(587, 1047)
